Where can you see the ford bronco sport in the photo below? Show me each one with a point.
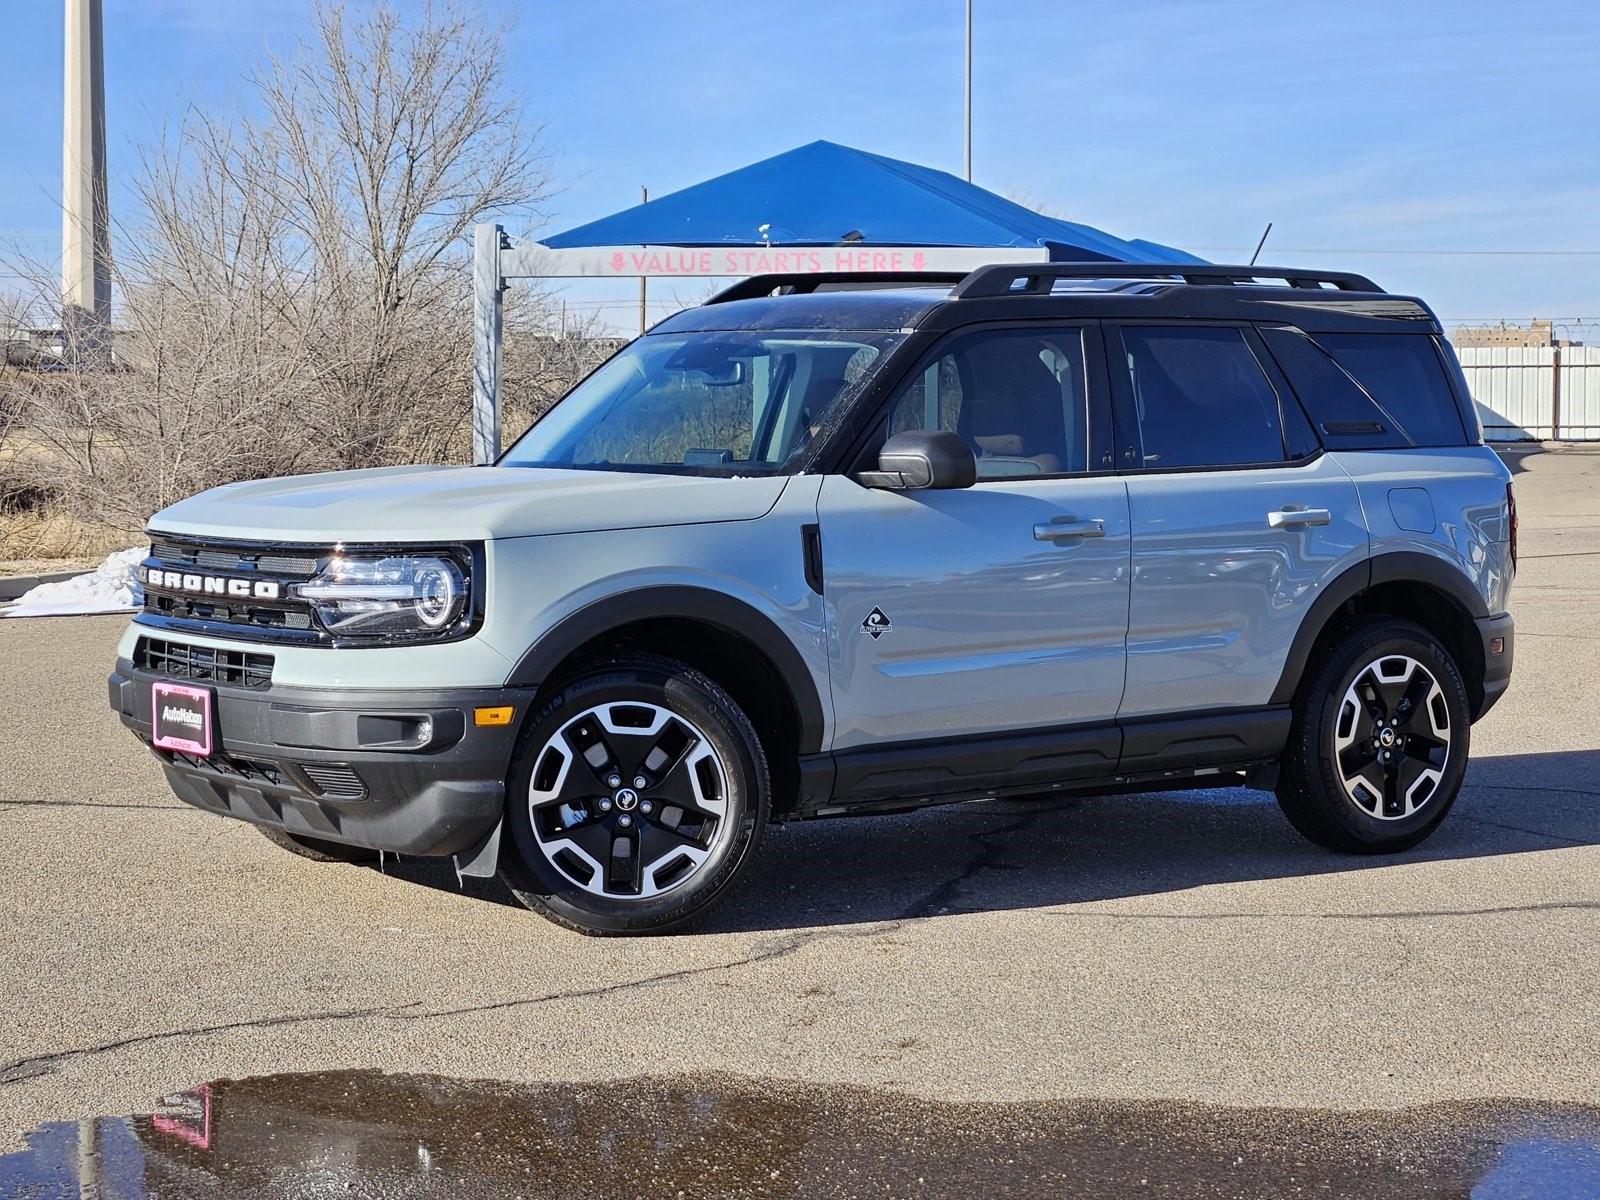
(831, 545)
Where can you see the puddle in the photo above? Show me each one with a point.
(365, 1134)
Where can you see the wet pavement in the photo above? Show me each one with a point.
(367, 1134)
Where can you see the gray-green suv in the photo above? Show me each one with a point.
(832, 545)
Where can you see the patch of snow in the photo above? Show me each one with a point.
(113, 586)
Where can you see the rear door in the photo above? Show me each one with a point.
(998, 607)
(1237, 517)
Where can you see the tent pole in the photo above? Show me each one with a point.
(969, 93)
(487, 287)
(644, 280)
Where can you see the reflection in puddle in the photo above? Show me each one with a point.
(361, 1134)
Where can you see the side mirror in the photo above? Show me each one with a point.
(924, 458)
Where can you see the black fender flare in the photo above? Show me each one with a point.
(704, 605)
(1398, 566)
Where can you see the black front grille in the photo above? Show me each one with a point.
(206, 578)
(334, 781)
(234, 558)
(252, 770)
(257, 616)
(179, 660)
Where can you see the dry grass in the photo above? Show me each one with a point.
(48, 532)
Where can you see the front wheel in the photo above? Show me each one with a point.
(638, 796)
(1378, 749)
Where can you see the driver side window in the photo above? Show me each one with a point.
(1018, 396)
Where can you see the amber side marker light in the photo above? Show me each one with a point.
(499, 714)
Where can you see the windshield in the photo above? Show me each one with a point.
(715, 402)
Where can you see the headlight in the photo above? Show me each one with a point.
(397, 597)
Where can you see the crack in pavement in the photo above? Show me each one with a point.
(986, 858)
(1402, 915)
(1553, 837)
(44, 1064)
(95, 804)
(1535, 787)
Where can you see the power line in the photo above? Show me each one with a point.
(1437, 253)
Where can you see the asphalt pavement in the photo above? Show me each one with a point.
(1171, 947)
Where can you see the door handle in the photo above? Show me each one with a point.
(1292, 515)
(1062, 529)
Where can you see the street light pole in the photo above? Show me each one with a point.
(969, 92)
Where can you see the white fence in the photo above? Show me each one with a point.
(1542, 392)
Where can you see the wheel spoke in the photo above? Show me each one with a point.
(667, 750)
(1407, 774)
(1374, 778)
(1391, 686)
(592, 749)
(1414, 699)
(1356, 757)
(1425, 745)
(622, 859)
(1362, 720)
(657, 839)
(1394, 804)
(592, 836)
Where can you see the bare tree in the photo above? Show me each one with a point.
(294, 290)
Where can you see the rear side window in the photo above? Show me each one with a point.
(1201, 397)
(1404, 379)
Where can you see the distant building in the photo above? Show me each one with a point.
(1535, 333)
(39, 349)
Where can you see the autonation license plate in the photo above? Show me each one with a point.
(181, 718)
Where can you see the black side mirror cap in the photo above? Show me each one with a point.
(924, 458)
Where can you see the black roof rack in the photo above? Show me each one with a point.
(792, 284)
(1037, 278)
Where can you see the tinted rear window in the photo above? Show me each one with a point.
(1202, 398)
(1404, 377)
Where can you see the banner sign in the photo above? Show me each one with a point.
(534, 261)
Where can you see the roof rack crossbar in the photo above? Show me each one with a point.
(794, 283)
(1036, 279)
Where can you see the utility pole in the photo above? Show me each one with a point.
(644, 281)
(969, 92)
(85, 216)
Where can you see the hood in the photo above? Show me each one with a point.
(424, 504)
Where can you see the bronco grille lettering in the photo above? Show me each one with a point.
(213, 585)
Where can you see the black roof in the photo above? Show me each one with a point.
(1312, 300)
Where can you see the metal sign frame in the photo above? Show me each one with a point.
(497, 259)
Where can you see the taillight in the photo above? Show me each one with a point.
(1511, 510)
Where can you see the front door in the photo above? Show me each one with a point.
(996, 608)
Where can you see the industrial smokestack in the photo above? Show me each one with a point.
(85, 217)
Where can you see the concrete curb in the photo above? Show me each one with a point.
(13, 586)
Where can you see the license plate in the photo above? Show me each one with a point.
(181, 718)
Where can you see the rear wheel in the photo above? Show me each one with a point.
(1379, 745)
(638, 796)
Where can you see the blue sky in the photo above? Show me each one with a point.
(1416, 142)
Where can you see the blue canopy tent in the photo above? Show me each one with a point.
(825, 194)
(821, 207)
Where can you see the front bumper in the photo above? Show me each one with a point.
(1497, 665)
(390, 769)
